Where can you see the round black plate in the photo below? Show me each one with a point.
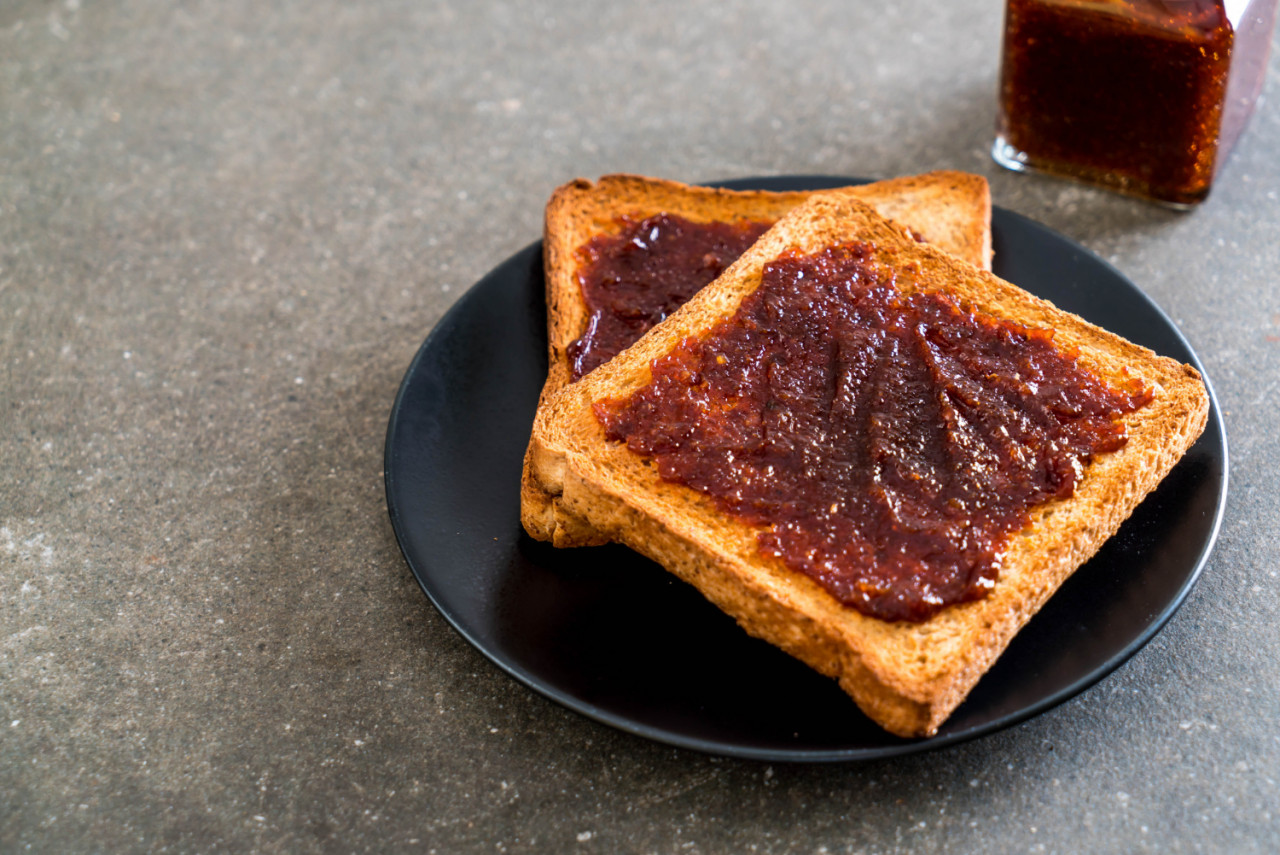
(613, 636)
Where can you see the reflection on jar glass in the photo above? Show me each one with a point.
(1143, 96)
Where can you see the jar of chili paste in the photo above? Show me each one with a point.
(1142, 96)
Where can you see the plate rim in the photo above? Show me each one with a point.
(458, 309)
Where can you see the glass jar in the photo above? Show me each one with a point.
(1142, 96)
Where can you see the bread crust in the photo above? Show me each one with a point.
(908, 677)
(949, 209)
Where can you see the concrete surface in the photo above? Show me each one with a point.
(225, 227)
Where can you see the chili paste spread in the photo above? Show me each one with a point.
(888, 443)
(632, 280)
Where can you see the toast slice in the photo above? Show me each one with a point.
(948, 209)
(907, 676)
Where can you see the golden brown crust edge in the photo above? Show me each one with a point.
(950, 209)
(907, 677)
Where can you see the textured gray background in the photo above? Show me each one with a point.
(225, 228)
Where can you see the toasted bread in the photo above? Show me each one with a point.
(906, 676)
(950, 210)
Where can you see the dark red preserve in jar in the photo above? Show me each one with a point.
(1142, 96)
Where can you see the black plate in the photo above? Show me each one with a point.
(613, 636)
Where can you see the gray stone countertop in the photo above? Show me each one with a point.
(226, 227)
